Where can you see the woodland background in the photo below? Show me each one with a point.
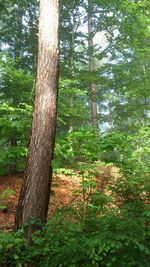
(106, 229)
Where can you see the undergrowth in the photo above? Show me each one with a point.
(105, 230)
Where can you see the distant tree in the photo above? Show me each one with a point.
(35, 193)
(93, 89)
(18, 22)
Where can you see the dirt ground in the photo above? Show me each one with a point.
(63, 188)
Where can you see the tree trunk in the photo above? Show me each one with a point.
(71, 98)
(19, 33)
(93, 88)
(35, 193)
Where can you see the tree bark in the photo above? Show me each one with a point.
(93, 88)
(35, 193)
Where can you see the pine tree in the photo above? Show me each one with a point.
(35, 193)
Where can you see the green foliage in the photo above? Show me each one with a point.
(111, 240)
(12, 246)
(15, 112)
(120, 148)
(5, 195)
(115, 146)
(78, 145)
(15, 124)
(122, 81)
(16, 84)
(100, 231)
(141, 141)
(19, 38)
(112, 146)
(72, 98)
(65, 171)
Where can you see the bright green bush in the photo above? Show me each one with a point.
(100, 231)
(111, 240)
(12, 249)
(78, 145)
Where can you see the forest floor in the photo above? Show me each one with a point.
(63, 188)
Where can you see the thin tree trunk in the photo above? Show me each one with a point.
(71, 99)
(35, 193)
(33, 48)
(145, 104)
(93, 88)
(19, 32)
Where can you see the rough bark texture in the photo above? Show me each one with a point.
(35, 193)
(93, 88)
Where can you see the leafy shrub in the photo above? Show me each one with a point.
(5, 195)
(78, 145)
(12, 249)
(104, 234)
(111, 240)
(112, 146)
(120, 147)
(15, 124)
